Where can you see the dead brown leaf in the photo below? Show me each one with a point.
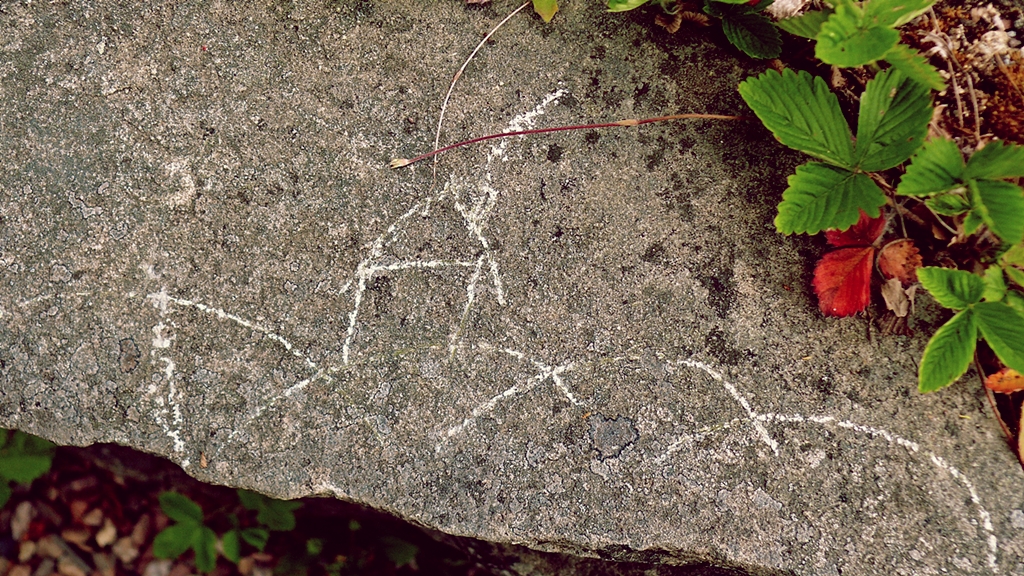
(900, 259)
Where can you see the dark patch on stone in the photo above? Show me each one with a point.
(655, 254)
(128, 359)
(554, 153)
(721, 347)
(721, 291)
(610, 437)
(592, 137)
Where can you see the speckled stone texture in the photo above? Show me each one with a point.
(590, 342)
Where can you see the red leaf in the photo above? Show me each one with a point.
(1006, 380)
(900, 259)
(863, 233)
(842, 280)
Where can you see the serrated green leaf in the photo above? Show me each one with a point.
(205, 547)
(822, 196)
(277, 515)
(894, 13)
(1016, 274)
(1016, 301)
(949, 352)
(256, 537)
(545, 8)
(936, 167)
(1014, 256)
(893, 120)
(5, 493)
(1001, 206)
(806, 25)
(23, 468)
(996, 161)
(180, 508)
(948, 204)
(801, 111)
(172, 541)
(847, 40)
(250, 500)
(972, 221)
(3, 436)
(399, 551)
(995, 285)
(624, 5)
(232, 546)
(954, 289)
(915, 66)
(754, 34)
(1003, 329)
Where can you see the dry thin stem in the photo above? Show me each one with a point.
(451, 87)
(400, 162)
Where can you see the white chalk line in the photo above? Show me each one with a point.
(475, 216)
(544, 372)
(757, 421)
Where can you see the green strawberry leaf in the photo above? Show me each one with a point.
(801, 111)
(936, 167)
(1014, 256)
(277, 514)
(1016, 301)
(754, 34)
(948, 204)
(995, 285)
(232, 546)
(846, 39)
(972, 221)
(915, 66)
(894, 13)
(1003, 329)
(181, 508)
(1016, 274)
(822, 196)
(172, 541)
(250, 500)
(996, 161)
(546, 8)
(205, 546)
(23, 468)
(624, 5)
(893, 121)
(954, 289)
(1001, 206)
(256, 537)
(949, 352)
(806, 25)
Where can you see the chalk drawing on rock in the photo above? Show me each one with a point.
(475, 208)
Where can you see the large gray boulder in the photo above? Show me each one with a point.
(591, 342)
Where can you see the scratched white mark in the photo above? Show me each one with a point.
(475, 215)
(168, 415)
(757, 420)
(544, 372)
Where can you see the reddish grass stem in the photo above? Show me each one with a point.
(400, 162)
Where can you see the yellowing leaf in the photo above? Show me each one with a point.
(1006, 380)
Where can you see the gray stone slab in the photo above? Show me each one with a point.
(590, 342)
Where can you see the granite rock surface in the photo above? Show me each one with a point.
(592, 342)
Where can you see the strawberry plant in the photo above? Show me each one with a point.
(980, 309)
(857, 34)
(751, 32)
(804, 114)
(23, 458)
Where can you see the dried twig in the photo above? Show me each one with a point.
(401, 162)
